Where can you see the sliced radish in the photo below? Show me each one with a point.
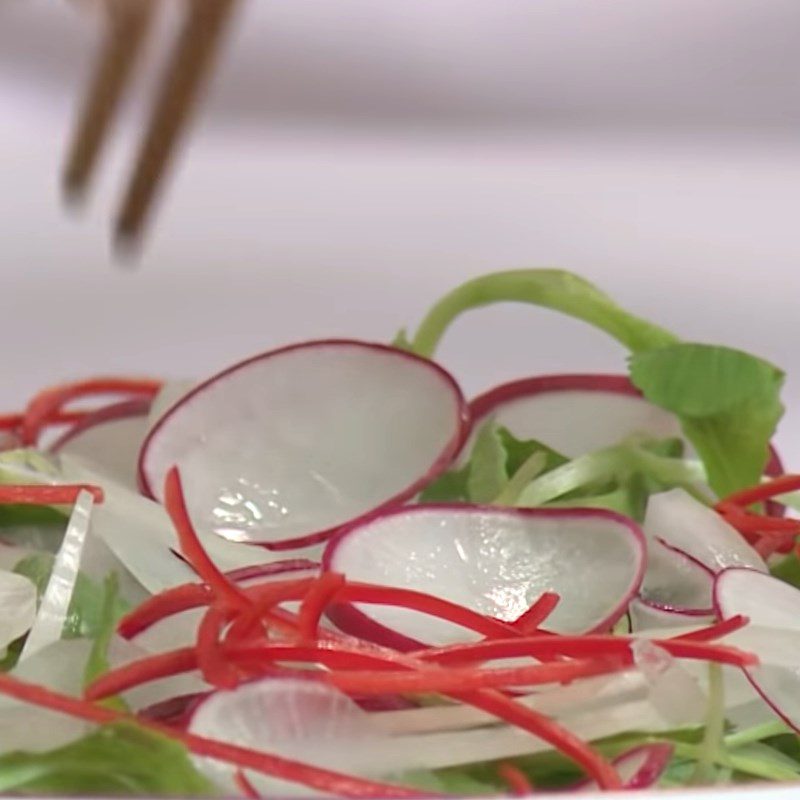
(169, 394)
(688, 525)
(493, 560)
(675, 582)
(296, 719)
(574, 414)
(110, 438)
(181, 629)
(639, 768)
(17, 607)
(645, 617)
(287, 447)
(773, 608)
(140, 534)
(579, 413)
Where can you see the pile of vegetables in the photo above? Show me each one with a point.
(323, 571)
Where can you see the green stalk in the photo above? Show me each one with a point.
(712, 746)
(548, 288)
(527, 471)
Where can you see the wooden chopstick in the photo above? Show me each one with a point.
(193, 57)
(128, 23)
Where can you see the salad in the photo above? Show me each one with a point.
(324, 572)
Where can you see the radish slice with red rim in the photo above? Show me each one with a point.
(582, 412)
(688, 525)
(285, 448)
(168, 396)
(639, 768)
(773, 608)
(297, 719)
(574, 414)
(676, 583)
(109, 439)
(645, 617)
(497, 561)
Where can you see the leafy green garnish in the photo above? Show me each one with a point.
(727, 401)
(98, 663)
(788, 569)
(496, 457)
(116, 760)
(86, 616)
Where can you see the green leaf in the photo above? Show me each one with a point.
(85, 618)
(518, 451)
(728, 403)
(116, 760)
(98, 663)
(451, 487)
(548, 288)
(487, 466)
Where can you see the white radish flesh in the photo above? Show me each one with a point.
(296, 719)
(676, 582)
(688, 525)
(492, 560)
(574, 414)
(285, 448)
(773, 608)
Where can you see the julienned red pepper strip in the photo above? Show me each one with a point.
(589, 646)
(50, 401)
(223, 588)
(443, 681)
(357, 592)
(11, 422)
(528, 623)
(242, 757)
(185, 659)
(215, 668)
(45, 495)
(764, 491)
(715, 631)
(317, 599)
(244, 785)
(161, 606)
(516, 780)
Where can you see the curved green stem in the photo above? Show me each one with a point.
(548, 288)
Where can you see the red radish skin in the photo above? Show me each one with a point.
(150, 477)
(353, 620)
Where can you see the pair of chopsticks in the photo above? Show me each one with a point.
(128, 24)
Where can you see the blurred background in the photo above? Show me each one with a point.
(355, 159)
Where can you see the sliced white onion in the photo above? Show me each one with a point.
(773, 608)
(57, 596)
(285, 448)
(110, 439)
(688, 525)
(17, 607)
(493, 560)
